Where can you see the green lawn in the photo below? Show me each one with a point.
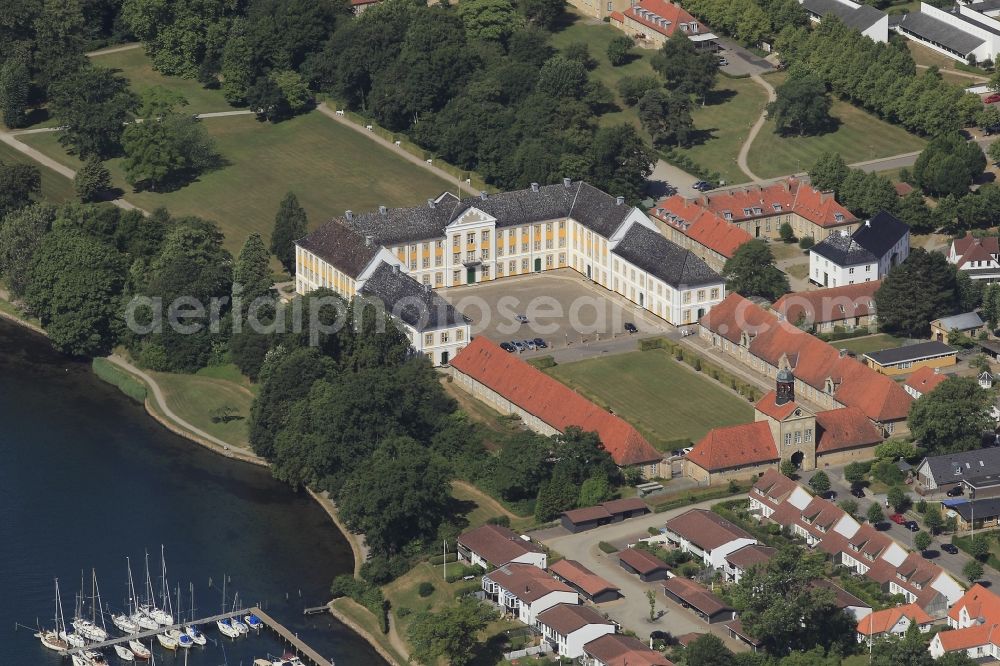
(195, 398)
(662, 398)
(331, 168)
(722, 126)
(55, 188)
(869, 343)
(860, 136)
(137, 68)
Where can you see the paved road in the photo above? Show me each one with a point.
(741, 159)
(632, 611)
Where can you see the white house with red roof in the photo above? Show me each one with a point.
(707, 536)
(978, 256)
(547, 406)
(653, 22)
(975, 626)
(491, 546)
(568, 627)
(524, 591)
(923, 381)
(895, 621)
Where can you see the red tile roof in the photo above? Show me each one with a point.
(902, 189)
(925, 380)
(576, 574)
(496, 544)
(768, 405)
(620, 650)
(971, 248)
(700, 225)
(823, 306)
(553, 402)
(617, 16)
(567, 618)
(641, 560)
(671, 14)
(735, 446)
(963, 639)
(812, 360)
(695, 595)
(882, 621)
(781, 198)
(775, 486)
(844, 428)
(705, 529)
(526, 582)
(979, 602)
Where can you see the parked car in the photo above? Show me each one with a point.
(912, 526)
(687, 331)
(518, 345)
(507, 347)
(530, 344)
(956, 491)
(630, 327)
(541, 344)
(702, 186)
(830, 495)
(898, 518)
(990, 130)
(858, 492)
(723, 62)
(992, 99)
(686, 450)
(950, 548)
(521, 318)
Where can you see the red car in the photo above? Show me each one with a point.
(995, 97)
(898, 518)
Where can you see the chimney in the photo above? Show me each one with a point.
(482, 195)
(431, 204)
(787, 185)
(395, 268)
(534, 187)
(843, 353)
(619, 201)
(845, 233)
(349, 214)
(382, 210)
(369, 240)
(825, 196)
(427, 288)
(567, 183)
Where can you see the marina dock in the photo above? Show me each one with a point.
(294, 641)
(153, 632)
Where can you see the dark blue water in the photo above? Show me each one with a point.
(87, 478)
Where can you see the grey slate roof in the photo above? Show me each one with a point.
(934, 30)
(843, 250)
(953, 467)
(667, 261)
(341, 246)
(961, 322)
(984, 508)
(867, 244)
(860, 18)
(407, 299)
(910, 352)
(983, 6)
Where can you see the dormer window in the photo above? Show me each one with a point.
(839, 217)
(728, 214)
(757, 211)
(776, 207)
(747, 212)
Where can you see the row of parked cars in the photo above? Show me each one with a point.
(523, 345)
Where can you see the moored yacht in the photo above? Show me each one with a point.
(253, 622)
(138, 649)
(227, 629)
(168, 642)
(124, 653)
(53, 638)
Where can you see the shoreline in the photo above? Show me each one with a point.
(325, 503)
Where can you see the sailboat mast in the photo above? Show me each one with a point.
(164, 587)
(100, 607)
(60, 620)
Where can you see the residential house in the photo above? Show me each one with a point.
(612, 511)
(737, 632)
(691, 595)
(895, 621)
(849, 307)
(978, 257)
(642, 563)
(782, 430)
(696, 228)
(706, 535)
(492, 546)
(923, 381)
(867, 20)
(586, 583)
(975, 626)
(904, 360)
(823, 376)
(978, 513)
(748, 557)
(545, 405)
(967, 31)
(568, 627)
(621, 650)
(866, 255)
(652, 22)
(981, 487)
(524, 591)
(760, 210)
(844, 600)
(968, 323)
(939, 474)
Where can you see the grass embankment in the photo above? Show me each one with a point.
(126, 383)
(665, 400)
(219, 406)
(366, 623)
(859, 136)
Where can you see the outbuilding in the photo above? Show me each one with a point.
(691, 595)
(643, 563)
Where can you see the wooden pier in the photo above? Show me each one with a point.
(153, 632)
(297, 643)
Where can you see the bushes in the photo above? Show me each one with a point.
(606, 547)
(543, 362)
(364, 593)
(441, 559)
(425, 589)
(806, 242)
(684, 162)
(649, 344)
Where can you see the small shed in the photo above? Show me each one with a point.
(969, 323)
(691, 595)
(588, 584)
(643, 563)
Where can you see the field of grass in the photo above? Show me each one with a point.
(331, 168)
(662, 398)
(860, 136)
(55, 188)
(136, 67)
(869, 343)
(929, 57)
(196, 398)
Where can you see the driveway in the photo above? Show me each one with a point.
(666, 176)
(632, 611)
(742, 61)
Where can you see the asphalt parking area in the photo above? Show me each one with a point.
(561, 307)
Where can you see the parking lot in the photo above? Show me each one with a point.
(561, 307)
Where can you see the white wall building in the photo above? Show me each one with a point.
(568, 627)
(525, 591)
(958, 32)
(867, 20)
(864, 256)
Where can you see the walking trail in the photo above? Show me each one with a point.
(741, 159)
(440, 173)
(115, 49)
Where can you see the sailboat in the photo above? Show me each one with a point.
(163, 615)
(143, 612)
(124, 653)
(168, 642)
(138, 649)
(127, 621)
(237, 623)
(53, 639)
(225, 626)
(88, 628)
(192, 629)
(155, 616)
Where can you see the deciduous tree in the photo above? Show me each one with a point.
(93, 105)
(952, 417)
(829, 172)
(451, 633)
(820, 482)
(802, 106)
(922, 541)
(875, 514)
(18, 184)
(92, 180)
(667, 117)
(492, 20)
(15, 88)
(619, 49)
(751, 272)
(21, 232)
(60, 32)
(916, 292)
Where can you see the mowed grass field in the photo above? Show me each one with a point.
(664, 399)
(330, 168)
(55, 188)
(195, 398)
(860, 136)
(869, 343)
